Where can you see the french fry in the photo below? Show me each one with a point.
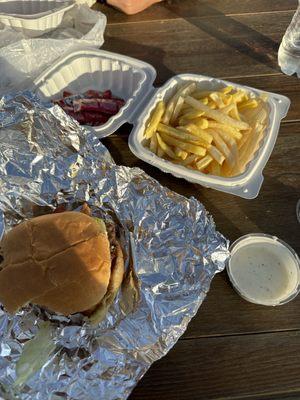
(226, 89)
(160, 153)
(189, 160)
(216, 154)
(247, 104)
(177, 109)
(166, 149)
(180, 153)
(211, 105)
(197, 132)
(203, 162)
(155, 119)
(258, 114)
(186, 108)
(264, 97)
(217, 99)
(249, 149)
(245, 137)
(223, 148)
(233, 113)
(180, 134)
(239, 96)
(216, 115)
(227, 99)
(153, 143)
(186, 89)
(227, 108)
(188, 147)
(201, 123)
(201, 94)
(214, 168)
(226, 170)
(231, 143)
(228, 129)
(192, 114)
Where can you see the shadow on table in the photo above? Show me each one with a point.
(252, 44)
(279, 214)
(272, 212)
(150, 54)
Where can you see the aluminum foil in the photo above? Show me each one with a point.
(47, 159)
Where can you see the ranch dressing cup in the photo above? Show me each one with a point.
(264, 270)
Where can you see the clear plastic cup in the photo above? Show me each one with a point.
(264, 270)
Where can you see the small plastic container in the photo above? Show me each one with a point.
(33, 17)
(264, 270)
(126, 77)
(133, 80)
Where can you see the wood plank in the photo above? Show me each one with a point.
(253, 366)
(196, 8)
(219, 46)
(224, 312)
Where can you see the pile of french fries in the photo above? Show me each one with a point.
(214, 132)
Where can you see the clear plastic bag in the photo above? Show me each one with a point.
(22, 59)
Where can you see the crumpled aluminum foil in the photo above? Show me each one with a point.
(46, 159)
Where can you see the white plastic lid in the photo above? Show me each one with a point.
(264, 270)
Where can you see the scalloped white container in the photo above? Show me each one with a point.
(246, 185)
(89, 3)
(33, 18)
(81, 70)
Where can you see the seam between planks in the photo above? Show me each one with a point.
(260, 396)
(221, 15)
(228, 335)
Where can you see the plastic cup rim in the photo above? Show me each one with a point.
(274, 239)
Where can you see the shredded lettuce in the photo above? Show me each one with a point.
(101, 224)
(35, 354)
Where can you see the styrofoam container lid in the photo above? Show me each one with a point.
(126, 77)
(33, 17)
(246, 185)
(264, 270)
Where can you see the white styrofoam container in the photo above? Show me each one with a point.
(132, 80)
(246, 185)
(81, 70)
(33, 17)
(89, 3)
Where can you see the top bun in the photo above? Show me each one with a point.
(58, 261)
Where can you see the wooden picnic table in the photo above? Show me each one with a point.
(232, 349)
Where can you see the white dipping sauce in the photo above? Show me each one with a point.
(264, 270)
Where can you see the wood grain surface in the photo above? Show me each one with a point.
(232, 349)
(232, 367)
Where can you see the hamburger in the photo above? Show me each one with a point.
(66, 262)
